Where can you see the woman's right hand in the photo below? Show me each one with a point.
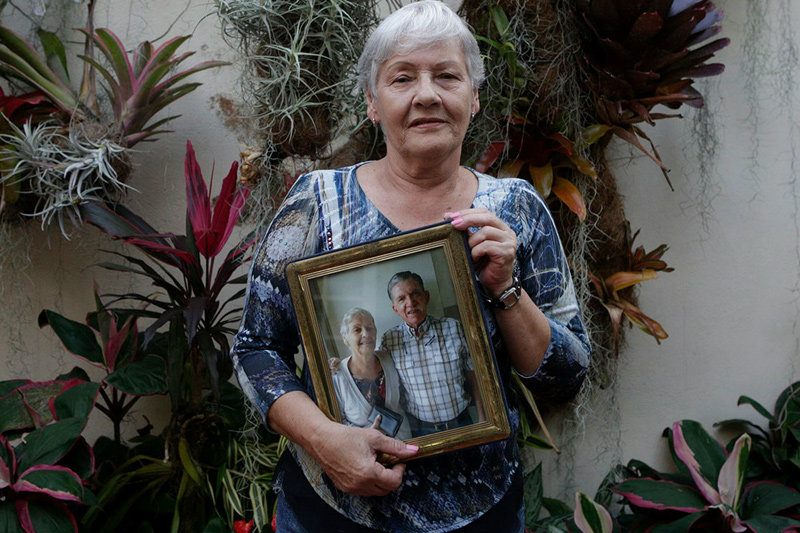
(349, 455)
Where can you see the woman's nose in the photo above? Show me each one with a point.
(426, 91)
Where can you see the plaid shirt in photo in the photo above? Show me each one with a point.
(432, 366)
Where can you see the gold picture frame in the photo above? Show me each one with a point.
(325, 287)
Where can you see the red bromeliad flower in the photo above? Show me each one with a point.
(211, 231)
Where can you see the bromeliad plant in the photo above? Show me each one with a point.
(638, 55)
(615, 290)
(51, 166)
(548, 161)
(709, 492)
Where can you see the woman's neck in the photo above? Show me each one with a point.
(368, 368)
(412, 194)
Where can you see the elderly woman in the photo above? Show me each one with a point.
(366, 379)
(420, 71)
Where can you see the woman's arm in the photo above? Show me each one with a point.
(543, 332)
(264, 350)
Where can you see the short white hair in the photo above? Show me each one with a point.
(350, 315)
(416, 26)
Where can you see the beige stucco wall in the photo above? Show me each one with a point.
(730, 307)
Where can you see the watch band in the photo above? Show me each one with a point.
(508, 298)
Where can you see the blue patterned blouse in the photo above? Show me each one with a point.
(327, 210)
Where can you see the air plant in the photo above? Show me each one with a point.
(614, 290)
(77, 155)
(638, 55)
(58, 172)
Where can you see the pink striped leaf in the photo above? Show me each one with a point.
(590, 516)
(702, 455)
(659, 494)
(57, 482)
(731, 475)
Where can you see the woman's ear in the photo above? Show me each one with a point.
(476, 102)
(372, 113)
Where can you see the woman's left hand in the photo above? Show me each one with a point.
(493, 247)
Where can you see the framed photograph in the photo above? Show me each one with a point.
(395, 339)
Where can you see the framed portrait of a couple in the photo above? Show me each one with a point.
(395, 340)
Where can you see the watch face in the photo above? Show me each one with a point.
(509, 298)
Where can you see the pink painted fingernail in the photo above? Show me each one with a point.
(457, 221)
(412, 448)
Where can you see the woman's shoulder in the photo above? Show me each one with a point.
(507, 194)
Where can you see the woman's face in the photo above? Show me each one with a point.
(360, 337)
(424, 100)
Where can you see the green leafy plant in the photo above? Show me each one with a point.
(638, 55)
(190, 275)
(708, 493)
(111, 341)
(184, 268)
(775, 452)
(44, 460)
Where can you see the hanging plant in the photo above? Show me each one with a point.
(638, 55)
(300, 84)
(51, 163)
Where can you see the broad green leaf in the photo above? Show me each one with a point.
(77, 401)
(48, 518)
(216, 525)
(591, 517)
(54, 481)
(76, 373)
(533, 492)
(50, 443)
(9, 523)
(681, 525)
(146, 376)
(13, 414)
(10, 385)
(556, 507)
(660, 495)
(78, 338)
(771, 523)
(54, 52)
(80, 459)
(757, 406)
(765, 498)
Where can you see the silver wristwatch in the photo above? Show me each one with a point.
(508, 298)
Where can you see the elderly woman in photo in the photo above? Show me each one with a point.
(420, 72)
(366, 379)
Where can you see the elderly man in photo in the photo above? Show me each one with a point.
(432, 359)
